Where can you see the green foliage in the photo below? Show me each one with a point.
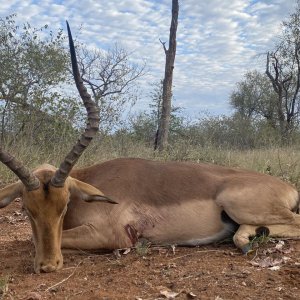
(254, 98)
(39, 124)
(145, 124)
(142, 247)
(3, 286)
(230, 132)
(33, 70)
(274, 97)
(259, 241)
(235, 132)
(143, 128)
(30, 65)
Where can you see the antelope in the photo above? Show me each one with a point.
(113, 204)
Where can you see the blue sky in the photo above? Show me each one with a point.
(218, 41)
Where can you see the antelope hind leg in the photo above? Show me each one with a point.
(241, 237)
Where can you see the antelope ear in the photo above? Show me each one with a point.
(10, 193)
(88, 192)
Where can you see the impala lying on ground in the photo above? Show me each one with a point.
(113, 204)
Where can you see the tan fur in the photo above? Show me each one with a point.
(167, 203)
(10, 193)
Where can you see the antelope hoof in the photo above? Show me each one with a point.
(246, 249)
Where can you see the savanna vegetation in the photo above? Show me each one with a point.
(41, 115)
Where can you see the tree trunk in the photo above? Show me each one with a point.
(278, 86)
(164, 123)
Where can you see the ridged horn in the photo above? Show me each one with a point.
(92, 126)
(30, 181)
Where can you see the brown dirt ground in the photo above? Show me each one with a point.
(210, 272)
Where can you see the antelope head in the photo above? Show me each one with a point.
(46, 191)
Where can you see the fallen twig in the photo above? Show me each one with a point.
(65, 279)
(256, 252)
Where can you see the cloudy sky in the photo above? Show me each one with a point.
(218, 41)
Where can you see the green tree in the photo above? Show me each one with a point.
(254, 98)
(145, 124)
(32, 68)
(275, 96)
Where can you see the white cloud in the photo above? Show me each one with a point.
(217, 40)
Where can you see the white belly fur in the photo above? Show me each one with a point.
(191, 223)
(226, 232)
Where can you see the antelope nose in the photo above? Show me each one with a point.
(48, 268)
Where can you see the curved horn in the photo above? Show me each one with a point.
(30, 181)
(91, 129)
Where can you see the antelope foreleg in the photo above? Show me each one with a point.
(82, 237)
(90, 237)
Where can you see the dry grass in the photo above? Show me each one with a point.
(280, 162)
(3, 286)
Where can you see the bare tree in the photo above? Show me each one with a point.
(161, 139)
(111, 79)
(283, 70)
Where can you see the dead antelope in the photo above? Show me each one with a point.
(167, 203)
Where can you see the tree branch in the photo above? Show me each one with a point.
(164, 46)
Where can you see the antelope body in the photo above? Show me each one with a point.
(113, 204)
(177, 203)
